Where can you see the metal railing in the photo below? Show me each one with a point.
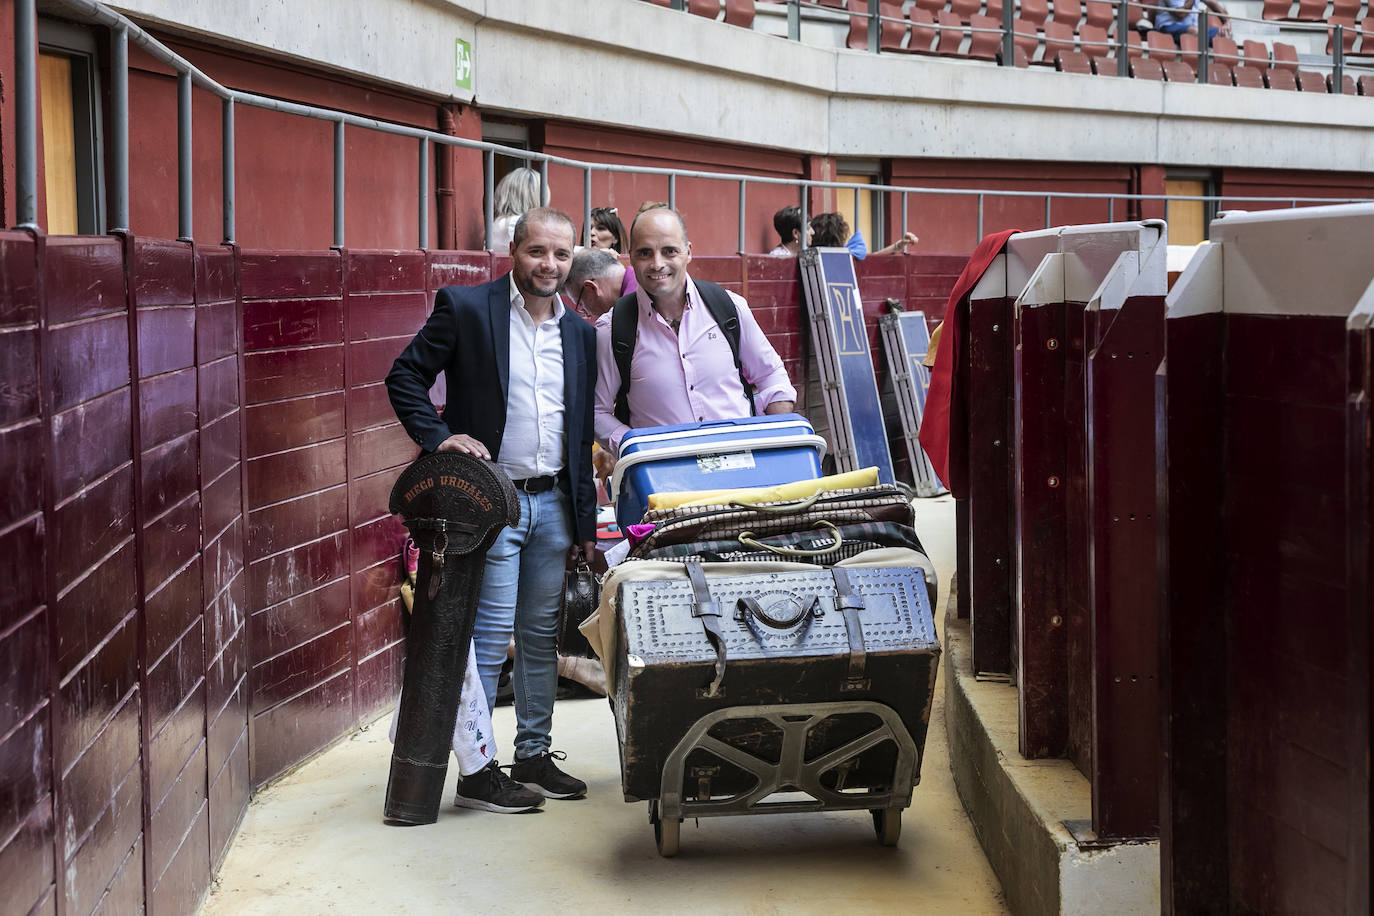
(123, 31)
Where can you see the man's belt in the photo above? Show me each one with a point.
(535, 484)
(455, 506)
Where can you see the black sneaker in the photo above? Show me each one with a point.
(490, 789)
(541, 774)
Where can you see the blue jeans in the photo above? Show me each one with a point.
(521, 586)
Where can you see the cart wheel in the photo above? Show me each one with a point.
(667, 834)
(887, 824)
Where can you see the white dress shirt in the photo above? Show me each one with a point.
(532, 445)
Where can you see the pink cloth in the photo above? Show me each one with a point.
(689, 376)
(630, 283)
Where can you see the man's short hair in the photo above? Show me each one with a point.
(829, 230)
(589, 264)
(787, 221)
(653, 205)
(680, 221)
(540, 215)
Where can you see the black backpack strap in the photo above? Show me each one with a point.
(624, 333)
(722, 309)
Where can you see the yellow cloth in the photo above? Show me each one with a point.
(801, 489)
(934, 347)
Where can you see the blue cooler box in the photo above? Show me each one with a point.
(719, 455)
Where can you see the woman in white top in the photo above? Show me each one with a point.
(515, 193)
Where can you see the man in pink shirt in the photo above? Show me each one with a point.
(682, 369)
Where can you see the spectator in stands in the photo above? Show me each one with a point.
(515, 193)
(683, 365)
(595, 280)
(607, 230)
(831, 230)
(1181, 18)
(787, 222)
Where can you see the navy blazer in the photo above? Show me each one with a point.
(467, 336)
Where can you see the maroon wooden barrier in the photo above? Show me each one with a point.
(1360, 533)
(1080, 337)
(1041, 528)
(1120, 412)
(991, 456)
(1193, 659)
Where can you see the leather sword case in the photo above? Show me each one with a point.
(849, 633)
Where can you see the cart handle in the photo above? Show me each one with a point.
(748, 539)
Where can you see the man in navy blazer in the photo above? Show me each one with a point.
(520, 373)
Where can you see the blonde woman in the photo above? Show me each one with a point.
(515, 193)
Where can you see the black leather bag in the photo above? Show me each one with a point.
(581, 595)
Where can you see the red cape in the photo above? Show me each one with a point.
(944, 426)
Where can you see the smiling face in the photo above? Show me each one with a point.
(660, 253)
(542, 258)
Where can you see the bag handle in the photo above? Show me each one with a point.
(751, 606)
(748, 539)
(780, 508)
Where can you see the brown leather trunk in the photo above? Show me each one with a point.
(667, 664)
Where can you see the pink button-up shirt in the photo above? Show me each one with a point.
(688, 376)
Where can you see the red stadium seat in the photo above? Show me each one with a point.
(1311, 81)
(951, 34)
(965, 9)
(1285, 57)
(858, 25)
(1100, 14)
(1093, 40)
(1143, 68)
(1250, 77)
(1219, 74)
(1310, 10)
(1068, 12)
(1187, 48)
(1345, 9)
(1036, 11)
(740, 13)
(1224, 49)
(1073, 62)
(1025, 36)
(1018, 58)
(993, 9)
(1255, 54)
(1282, 79)
(922, 39)
(931, 6)
(1347, 84)
(1177, 71)
(893, 31)
(1349, 33)
(1058, 37)
(986, 39)
(1160, 46)
(1365, 85)
(1276, 9)
(708, 8)
(1133, 46)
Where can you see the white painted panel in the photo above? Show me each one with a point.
(1046, 284)
(1198, 289)
(993, 283)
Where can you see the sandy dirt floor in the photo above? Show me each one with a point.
(314, 842)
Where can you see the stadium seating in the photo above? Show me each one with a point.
(965, 9)
(1250, 77)
(740, 13)
(1100, 14)
(951, 33)
(922, 39)
(1365, 84)
(1145, 68)
(1058, 37)
(1282, 79)
(1068, 12)
(1311, 81)
(986, 37)
(1350, 32)
(1093, 40)
(1347, 84)
(1073, 62)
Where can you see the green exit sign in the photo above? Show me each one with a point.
(462, 63)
